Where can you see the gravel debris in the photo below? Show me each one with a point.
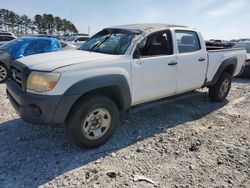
(189, 143)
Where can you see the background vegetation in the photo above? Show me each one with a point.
(42, 24)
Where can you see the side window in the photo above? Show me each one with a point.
(1, 38)
(7, 38)
(188, 41)
(156, 44)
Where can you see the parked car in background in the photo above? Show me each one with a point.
(79, 34)
(24, 47)
(216, 43)
(219, 43)
(77, 40)
(119, 69)
(244, 39)
(245, 44)
(45, 35)
(7, 33)
(65, 45)
(231, 43)
(209, 43)
(6, 37)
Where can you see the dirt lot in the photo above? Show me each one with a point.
(189, 143)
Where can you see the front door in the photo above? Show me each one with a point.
(154, 72)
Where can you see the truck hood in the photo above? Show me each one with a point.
(54, 60)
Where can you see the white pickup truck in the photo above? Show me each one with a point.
(118, 69)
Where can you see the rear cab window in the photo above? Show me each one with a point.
(187, 41)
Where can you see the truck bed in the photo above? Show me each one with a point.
(217, 56)
(211, 48)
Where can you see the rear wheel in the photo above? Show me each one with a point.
(220, 90)
(3, 73)
(92, 121)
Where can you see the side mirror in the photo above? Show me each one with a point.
(137, 53)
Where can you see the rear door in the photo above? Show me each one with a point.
(154, 72)
(192, 61)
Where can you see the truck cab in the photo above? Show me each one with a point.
(118, 69)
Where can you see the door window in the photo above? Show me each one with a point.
(188, 41)
(7, 38)
(156, 44)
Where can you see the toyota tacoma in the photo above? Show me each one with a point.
(117, 70)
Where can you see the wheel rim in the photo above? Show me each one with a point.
(224, 88)
(96, 124)
(3, 73)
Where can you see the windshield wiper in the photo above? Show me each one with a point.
(100, 43)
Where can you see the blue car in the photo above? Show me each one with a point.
(22, 47)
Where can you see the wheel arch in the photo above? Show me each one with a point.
(228, 65)
(114, 86)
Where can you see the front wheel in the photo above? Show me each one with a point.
(220, 90)
(92, 121)
(4, 73)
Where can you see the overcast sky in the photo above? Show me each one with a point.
(219, 19)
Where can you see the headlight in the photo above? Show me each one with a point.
(42, 81)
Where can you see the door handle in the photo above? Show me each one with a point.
(138, 62)
(172, 63)
(201, 59)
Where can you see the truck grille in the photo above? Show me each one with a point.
(19, 74)
(16, 76)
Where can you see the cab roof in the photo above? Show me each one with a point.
(146, 27)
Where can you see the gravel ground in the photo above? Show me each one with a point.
(189, 143)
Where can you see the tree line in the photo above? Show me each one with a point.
(42, 24)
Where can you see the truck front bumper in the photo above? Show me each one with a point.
(39, 109)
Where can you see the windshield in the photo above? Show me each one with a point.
(109, 42)
(243, 45)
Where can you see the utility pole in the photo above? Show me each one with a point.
(89, 29)
(71, 17)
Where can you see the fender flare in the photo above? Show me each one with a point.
(72, 94)
(226, 63)
(119, 82)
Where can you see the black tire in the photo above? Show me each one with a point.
(4, 73)
(81, 113)
(215, 91)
